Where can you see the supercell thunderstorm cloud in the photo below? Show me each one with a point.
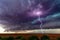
(29, 14)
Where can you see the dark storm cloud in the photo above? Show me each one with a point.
(14, 13)
(15, 10)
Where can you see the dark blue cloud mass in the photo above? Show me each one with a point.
(22, 14)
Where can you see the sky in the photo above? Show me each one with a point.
(29, 14)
